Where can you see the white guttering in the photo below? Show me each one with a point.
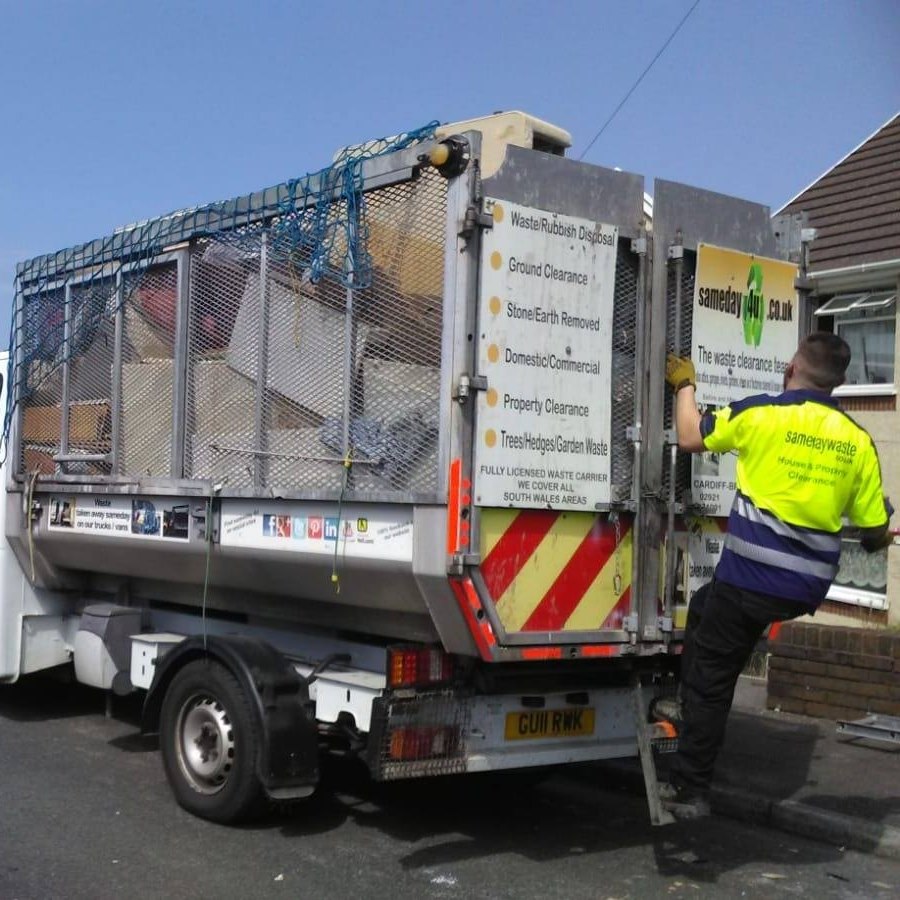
(883, 273)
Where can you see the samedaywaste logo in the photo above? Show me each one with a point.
(753, 306)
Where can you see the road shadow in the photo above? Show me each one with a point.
(585, 809)
(136, 743)
(704, 851)
(588, 809)
(53, 694)
(786, 757)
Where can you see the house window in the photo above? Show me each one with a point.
(868, 323)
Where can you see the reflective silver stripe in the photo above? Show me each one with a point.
(777, 558)
(826, 543)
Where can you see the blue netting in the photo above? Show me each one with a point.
(317, 224)
(323, 218)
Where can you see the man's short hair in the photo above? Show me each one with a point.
(822, 358)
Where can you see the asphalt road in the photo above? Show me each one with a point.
(85, 812)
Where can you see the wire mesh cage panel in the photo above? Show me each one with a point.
(395, 394)
(288, 377)
(222, 397)
(312, 338)
(91, 352)
(41, 340)
(624, 343)
(148, 370)
(679, 342)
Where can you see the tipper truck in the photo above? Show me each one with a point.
(374, 460)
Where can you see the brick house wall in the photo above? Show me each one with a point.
(834, 673)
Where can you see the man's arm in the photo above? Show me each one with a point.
(869, 504)
(879, 537)
(681, 376)
(687, 420)
(874, 539)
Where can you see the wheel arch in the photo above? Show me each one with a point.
(288, 759)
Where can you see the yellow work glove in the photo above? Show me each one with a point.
(680, 372)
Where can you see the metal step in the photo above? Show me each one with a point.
(647, 732)
(874, 727)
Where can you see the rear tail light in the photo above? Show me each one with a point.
(419, 742)
(419, 732)
(418, 666)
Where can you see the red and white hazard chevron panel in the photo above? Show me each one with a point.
(548, 571)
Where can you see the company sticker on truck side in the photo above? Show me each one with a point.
(706, 540)
(745, 331)
(364, 532)
(545, 347)
(127, 517)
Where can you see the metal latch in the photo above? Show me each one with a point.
(630, 623)
(460, 561)
(475, 218)
(469, 383)
(639, 246)
(201, 523)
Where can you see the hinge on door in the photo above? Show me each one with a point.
(200, 515)
(630, 623)
(475, 218)
(467, 384)
(639, 246)
(460, 561)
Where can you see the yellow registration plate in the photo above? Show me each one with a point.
(549, 723)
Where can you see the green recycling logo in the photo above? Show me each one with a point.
(752, 312)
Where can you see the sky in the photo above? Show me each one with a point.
(111, 112)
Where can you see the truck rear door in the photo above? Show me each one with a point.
(553, 457)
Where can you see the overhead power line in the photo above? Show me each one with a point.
(640, 78)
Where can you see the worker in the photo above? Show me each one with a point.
(802, 465)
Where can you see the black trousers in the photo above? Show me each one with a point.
(723, 625)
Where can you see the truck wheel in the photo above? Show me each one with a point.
(210, 743)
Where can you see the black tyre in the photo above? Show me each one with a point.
(210, 742)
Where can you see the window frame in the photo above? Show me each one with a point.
(886, 298)
(857, 597)
(844, 315)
